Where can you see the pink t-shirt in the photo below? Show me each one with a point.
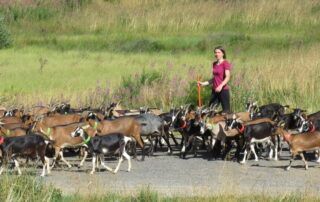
(219, 75)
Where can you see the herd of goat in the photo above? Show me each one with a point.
(43, 133)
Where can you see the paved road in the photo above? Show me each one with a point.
(196, 176)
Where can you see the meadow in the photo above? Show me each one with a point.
(86, 51)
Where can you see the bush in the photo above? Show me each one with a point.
(132, 86)
(5, 36)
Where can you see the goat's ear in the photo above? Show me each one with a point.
(303, 110)
(234, 116)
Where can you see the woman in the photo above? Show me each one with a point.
(221, 76)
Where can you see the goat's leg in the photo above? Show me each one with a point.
(160, 142)
(318, 155)
(173, 138)
(151, 148)
(227, 149)
(245, 154)
(166, 139)
(182, 139)
(213, 143)
(84, 157)
(304, 161)
(126, 155)
(118, 166)
(140, 143)
(104, 165)
(64, 160)
(244, 157)
(183, 144)
(44, 164)
(100, 158)
(94, 158)
(254, 152)
(16, 163)
(276, 145)
(271, 151)
(291, 160)
(189, 146)
(156, 144)
(47, 160)
(56, 154)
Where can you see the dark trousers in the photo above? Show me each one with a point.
(223, 97)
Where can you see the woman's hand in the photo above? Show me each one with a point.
(219, 88)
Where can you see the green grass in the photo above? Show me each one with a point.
(30, 188)
(82, 52)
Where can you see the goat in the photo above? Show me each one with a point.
(60, 137)
(299, 143)
(260, 130)
(127, 126)
(28, 146)
(108, 144)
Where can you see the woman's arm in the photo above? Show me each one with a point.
(205, 83)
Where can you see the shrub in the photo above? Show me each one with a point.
(5, 36)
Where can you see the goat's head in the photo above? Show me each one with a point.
(232, 122)
(251, 106)
(297, 113)
(92, 116)
(78, 132)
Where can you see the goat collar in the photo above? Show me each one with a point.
(8, 132)
(87, 140)
(241, 130)
(47, 133)
(184, 125)
(1, 140)
(95, 125)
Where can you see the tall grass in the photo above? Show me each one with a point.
(85, 78)
(91, 52)
(28, 188)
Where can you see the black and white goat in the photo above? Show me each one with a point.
(257, 131)
(24, 146)
(113, 143)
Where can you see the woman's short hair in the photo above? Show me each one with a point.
(222, 50)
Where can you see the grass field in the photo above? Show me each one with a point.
(82, 51)
(29, 188)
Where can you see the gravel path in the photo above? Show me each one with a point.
(171, 175)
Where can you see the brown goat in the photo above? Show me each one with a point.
(57, 120)
(39, 111)
(61, 138)
(299, 143)
(127, 126)
(7, 120)
(13, 132)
